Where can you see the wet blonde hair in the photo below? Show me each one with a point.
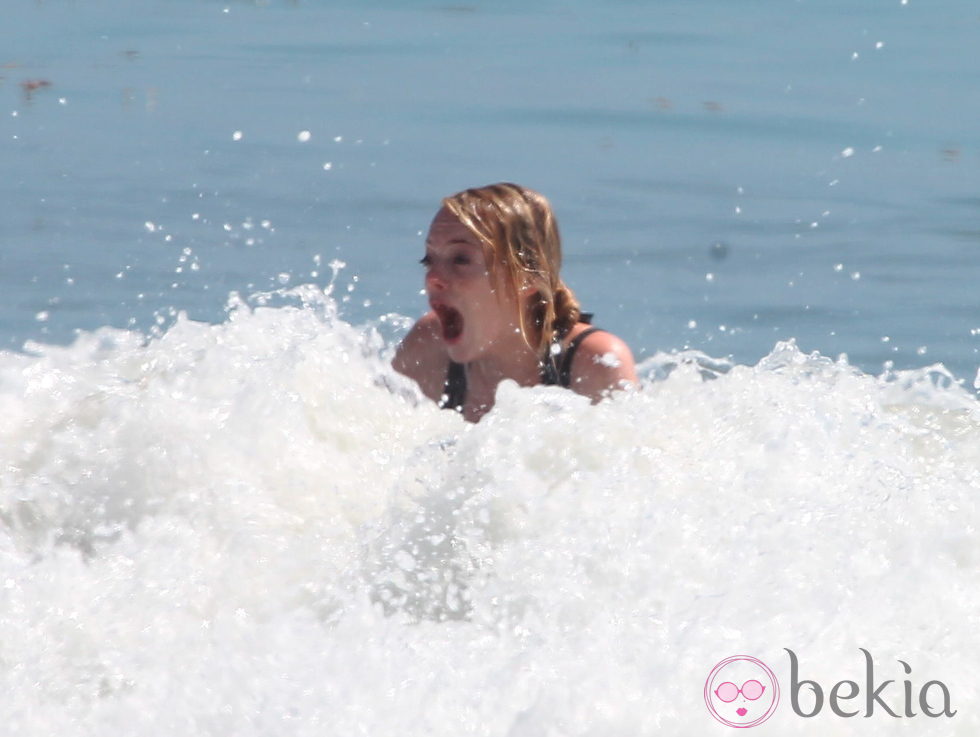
(520, 238)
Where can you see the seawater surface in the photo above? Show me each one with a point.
(222, 513)
(727, 175)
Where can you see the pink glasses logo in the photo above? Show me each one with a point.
(741, 691)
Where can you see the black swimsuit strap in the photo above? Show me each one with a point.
(565, 370)
(554, 364)
(454, 391)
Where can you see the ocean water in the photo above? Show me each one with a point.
(222, 513)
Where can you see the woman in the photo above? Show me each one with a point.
(500, 310)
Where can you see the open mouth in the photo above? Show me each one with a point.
(451, 320)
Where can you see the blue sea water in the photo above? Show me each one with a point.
(222, 513)
(726, 174)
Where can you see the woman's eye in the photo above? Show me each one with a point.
(461, 260)
(425, 261)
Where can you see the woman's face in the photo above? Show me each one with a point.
(477, 314)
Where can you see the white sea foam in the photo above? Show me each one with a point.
(254, 528)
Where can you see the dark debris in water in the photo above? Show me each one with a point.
(30, 86)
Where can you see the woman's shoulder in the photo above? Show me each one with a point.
(602, 362)
(421, 356)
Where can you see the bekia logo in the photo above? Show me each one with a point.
(742, 691)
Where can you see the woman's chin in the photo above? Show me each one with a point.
(457, 350)
(466, 349)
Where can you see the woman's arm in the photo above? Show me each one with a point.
(602, 363)
(421, 356)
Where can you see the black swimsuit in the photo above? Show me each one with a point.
(556, 370)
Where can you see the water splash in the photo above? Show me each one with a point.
(231, 528)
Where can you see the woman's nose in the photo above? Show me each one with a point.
(434, 278)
